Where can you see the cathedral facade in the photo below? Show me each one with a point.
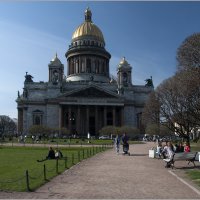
(87, 98)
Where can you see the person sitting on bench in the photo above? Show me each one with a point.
(170, 155)
(187, 147)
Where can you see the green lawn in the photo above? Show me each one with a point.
(67, 142)
(194, 174)
(195, 146)
(60, 141)
(14, 161)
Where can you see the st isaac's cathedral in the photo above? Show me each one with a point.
(87, 98)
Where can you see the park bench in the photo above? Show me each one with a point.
(187, 156)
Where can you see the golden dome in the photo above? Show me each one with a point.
(88, 28)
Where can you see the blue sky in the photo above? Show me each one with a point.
(146, 33)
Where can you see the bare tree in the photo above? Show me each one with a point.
(131, 131)
(176, 101)
(64, 131)
(7, 125)
(108, 130)
(188, 54)
(40, 130)
(179, 98)
(152, 129)
(165, 131)
(151, 111)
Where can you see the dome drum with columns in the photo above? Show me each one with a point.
(87, 98)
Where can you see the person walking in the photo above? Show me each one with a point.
(117, 143)
(125, 144)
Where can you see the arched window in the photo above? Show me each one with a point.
(37, 117)
(55, 76)
(37, 120)
(125, 77)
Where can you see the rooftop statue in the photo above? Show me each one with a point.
(28, 78)
(149, 82)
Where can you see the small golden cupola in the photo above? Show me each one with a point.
(124, 73)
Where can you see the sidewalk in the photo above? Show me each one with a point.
(111, 176)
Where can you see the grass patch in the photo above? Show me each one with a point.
(16, 160)
(194, 175)
(68, 142)
(60, 141)
(195, 146)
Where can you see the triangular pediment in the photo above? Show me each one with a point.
(91, 92)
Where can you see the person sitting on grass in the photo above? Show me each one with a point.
(58, 154)
(51, 154)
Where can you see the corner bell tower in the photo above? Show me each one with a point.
(124, 75)
(56, 69)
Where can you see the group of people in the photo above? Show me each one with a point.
(125, 143)
(168, 149)
(54, 154)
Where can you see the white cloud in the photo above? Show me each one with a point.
(24, 49)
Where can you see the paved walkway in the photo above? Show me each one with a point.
(111, 176)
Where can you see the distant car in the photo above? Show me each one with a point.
(104, 137)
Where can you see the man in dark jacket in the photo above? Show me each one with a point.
(51, 154)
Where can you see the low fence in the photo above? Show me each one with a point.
(27, 182)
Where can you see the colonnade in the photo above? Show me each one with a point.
(81, 119)
(87, 64)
